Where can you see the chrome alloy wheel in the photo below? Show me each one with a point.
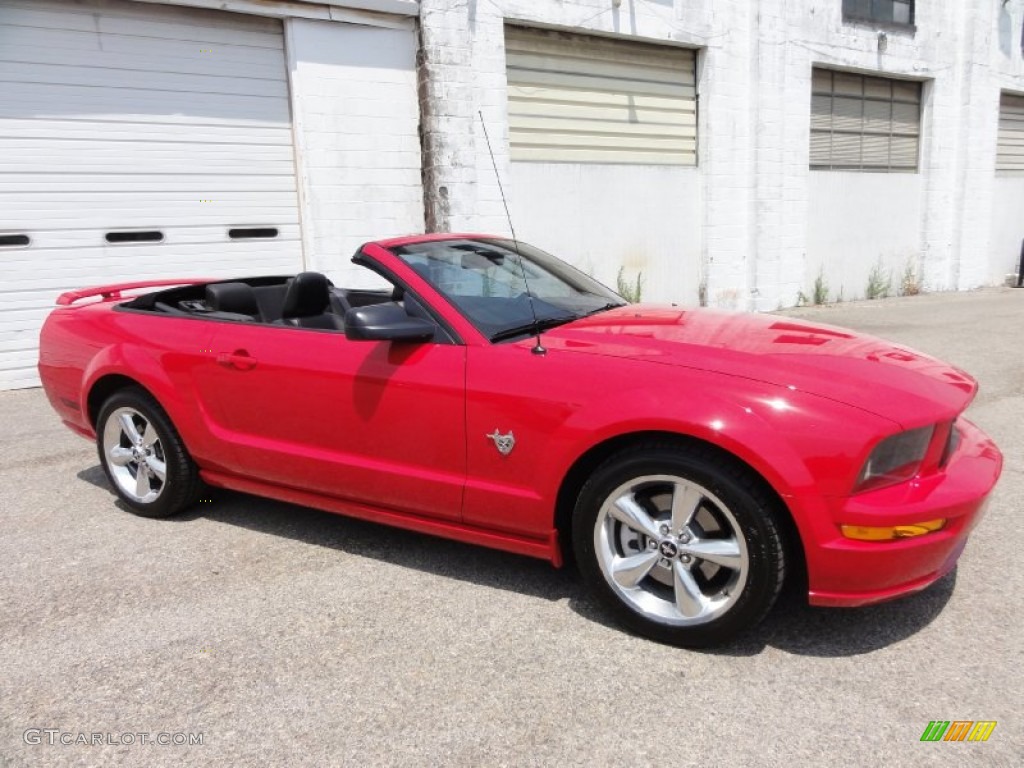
(671, 550)
(135, 455)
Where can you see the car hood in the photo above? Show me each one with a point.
(878, 376)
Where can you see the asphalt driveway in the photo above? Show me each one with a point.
(283, 636)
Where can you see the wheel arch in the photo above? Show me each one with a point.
(185, 419)
(585, 465)
(120, 365)
(104, 387)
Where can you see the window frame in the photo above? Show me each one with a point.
(872, 18)
(1009, 104)
(576, 96)
(866, 80)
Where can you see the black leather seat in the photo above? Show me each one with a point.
(271, 299)
(307, 303)
(232, 301)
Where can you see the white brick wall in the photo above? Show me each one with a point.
(751, 226)
(755, 63)
(356, 123)
(1007, 195)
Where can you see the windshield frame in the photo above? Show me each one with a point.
(532, 312)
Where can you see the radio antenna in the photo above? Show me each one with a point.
(538, 348)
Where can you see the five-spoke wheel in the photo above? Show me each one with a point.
(670, 548)
(135, 455)
(681, 544)
(143, 455)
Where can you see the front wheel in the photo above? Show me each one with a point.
(679, 544)
(143, 455)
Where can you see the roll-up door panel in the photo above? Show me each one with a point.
(578, 98)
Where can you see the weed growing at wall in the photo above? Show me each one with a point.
(820, 289)
(879, 282)
(910, 282)
(631, 292)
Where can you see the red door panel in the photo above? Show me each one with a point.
(374, 422)
(510, 389)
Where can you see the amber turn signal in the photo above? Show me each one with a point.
(891, 532)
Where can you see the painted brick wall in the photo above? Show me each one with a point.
(356, 122)
(755, 63)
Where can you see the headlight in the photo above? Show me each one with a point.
(895, 459)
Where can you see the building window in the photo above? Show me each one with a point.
(1010, 147)
(861, 123)
(882, 11)
(585, 99)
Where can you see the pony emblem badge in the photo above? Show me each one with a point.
(504, 443)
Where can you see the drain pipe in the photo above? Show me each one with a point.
(1020, 267)
(447, 115)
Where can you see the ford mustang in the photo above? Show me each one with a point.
(687, 461)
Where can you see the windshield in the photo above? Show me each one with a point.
(484, 279)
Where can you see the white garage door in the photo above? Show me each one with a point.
(136, 141)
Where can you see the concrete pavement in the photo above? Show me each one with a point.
(287, 636)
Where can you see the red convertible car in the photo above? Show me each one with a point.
(687, 460)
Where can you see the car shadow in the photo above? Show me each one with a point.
(430, 554)
(795, 627)
(792, 626)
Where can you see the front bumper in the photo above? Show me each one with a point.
(844, 572)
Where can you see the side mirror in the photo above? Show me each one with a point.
(386, 322)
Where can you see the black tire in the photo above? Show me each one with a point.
(735, 521)
(180, 486)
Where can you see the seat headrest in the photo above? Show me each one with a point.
(309, 293)
(232, 297)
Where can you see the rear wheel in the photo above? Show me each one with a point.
(143, 456)
(680, 545)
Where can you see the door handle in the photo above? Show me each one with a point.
(239, 359)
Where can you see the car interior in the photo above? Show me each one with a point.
(307, 300)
